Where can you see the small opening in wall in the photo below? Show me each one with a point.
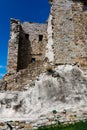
(33, 60)
(26, 36)
(40, 37)
(85, 5)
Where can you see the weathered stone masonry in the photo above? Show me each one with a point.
(13, 46)
(26, 45)
(34, 47)
(69, 32)
(63, 40)
(26, 53)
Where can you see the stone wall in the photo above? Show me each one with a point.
(63, 32)
(24, 51)
(13, 46)
(31, 47)
(27, 45)
(61, 41)
(29, 75)
(49, 47)
(69, 32)
(38, 39)
(80, 33)
(60, 95)
(18, 81)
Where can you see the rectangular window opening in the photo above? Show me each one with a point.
(40, 37)
(33, 60)
(27, 36)
(85, 5)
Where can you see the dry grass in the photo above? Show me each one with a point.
(49, 68)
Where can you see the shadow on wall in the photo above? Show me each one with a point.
(24, 51)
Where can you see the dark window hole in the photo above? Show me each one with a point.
(40, 37)
(26, 36)
(85, 5)
(33, 60)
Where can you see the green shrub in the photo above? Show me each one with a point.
(76, 126)
(54, 111)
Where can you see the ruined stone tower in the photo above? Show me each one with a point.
(62, 40)
(26, 45)
(47, 69)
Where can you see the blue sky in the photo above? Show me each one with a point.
(25, 10)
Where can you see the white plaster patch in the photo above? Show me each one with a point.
(46, 96)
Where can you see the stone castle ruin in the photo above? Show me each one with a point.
(46, 80)
(62, 40)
